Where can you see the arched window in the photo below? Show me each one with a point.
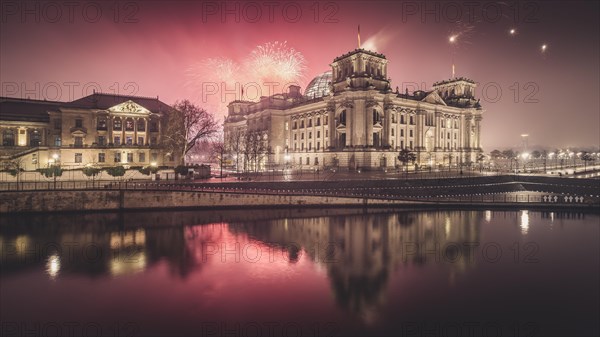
(343, 117)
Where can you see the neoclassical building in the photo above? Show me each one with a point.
(99, 129)
(350, 117)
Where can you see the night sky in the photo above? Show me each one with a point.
(551, 94)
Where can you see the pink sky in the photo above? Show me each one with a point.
(557, 102)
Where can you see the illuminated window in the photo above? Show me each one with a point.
(78, 157)
(101, 157)
(101, 123)
(129, 157)
(117, 157)
(117, 124)
(129, 124)
(142, 157)
(35, 138)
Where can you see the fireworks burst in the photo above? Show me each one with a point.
(275, 61)
(213, 70)
(269, 62)
(461, 34)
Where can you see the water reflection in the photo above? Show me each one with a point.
(53, 266)
(361, 256)
(360, 253)
(524, 223)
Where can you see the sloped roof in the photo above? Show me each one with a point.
(105, 101)
(26, 110)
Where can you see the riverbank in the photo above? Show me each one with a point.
(111, 200)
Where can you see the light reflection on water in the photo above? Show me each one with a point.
(360, 270)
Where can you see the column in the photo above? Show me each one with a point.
(387, 122)
(109, 129)
(146, 141)
(135, 130)
(438, 128)
(478, 132)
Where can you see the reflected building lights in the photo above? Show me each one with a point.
(488, 216)
(22, 243)
(524, 222)
(53, 266)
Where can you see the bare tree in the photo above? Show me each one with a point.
(187, 124)
(217, 153)
(234, 145)
(255, 150)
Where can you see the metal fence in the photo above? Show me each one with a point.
(491, 198)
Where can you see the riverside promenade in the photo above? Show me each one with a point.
(472, 190)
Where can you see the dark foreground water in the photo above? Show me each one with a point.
(301, 273)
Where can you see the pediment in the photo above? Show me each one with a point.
(129, 107)
(433, 98)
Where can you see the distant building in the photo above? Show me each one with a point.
(99, 129)
(350, 117)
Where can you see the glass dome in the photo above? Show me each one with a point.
(319, 86)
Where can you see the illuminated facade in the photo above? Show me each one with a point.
(100, 129)
(357, 121)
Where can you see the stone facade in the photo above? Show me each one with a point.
(100, 129)
(359, 122)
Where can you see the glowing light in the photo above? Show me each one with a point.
(53, 266)
(153, 164)
(248, 77)
(524, 222)
(276, 61)
(513, 31)
(55, 156)
(488, 216)
(544, 47)
(452, 38)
